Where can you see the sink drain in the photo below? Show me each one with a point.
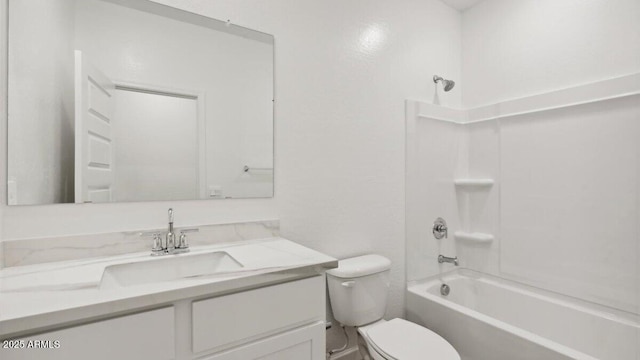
(444, 289)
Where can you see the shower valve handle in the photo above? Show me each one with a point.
(440, 229)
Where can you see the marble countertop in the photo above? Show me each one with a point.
(45, 296)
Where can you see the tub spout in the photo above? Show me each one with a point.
(444, 259)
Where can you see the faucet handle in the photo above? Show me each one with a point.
(182, 242)
(157, 248)
(183, 245)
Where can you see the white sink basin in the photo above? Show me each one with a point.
(168, 268)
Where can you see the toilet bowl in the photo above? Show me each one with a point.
(358, 291)
(399, 339)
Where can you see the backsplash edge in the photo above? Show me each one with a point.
(74, 247)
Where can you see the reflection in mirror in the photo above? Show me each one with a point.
(129, 100)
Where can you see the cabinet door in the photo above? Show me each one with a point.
(305, 343)
(230, 320)
(148, 335)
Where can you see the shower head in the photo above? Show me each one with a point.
(447, 84)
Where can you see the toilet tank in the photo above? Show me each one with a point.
(358, 289)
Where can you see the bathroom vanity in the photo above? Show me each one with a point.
(256, 299)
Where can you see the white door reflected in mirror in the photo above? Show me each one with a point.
(94, 106)
(155, 132)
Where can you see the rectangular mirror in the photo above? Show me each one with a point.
(130, 100)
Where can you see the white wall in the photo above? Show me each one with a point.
(343, 70)
(41, 103)
(513, 49)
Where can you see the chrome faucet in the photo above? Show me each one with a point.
(451, 260)
(169, 246)
(171, 237)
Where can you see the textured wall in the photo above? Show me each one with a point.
(513, 49)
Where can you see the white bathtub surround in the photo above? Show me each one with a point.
(486, 318)
(562, 163)
(42, 250)
(438, 154)
(55, 294)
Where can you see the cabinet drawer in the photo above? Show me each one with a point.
(306, 343)
(232, 318)
(148, 335)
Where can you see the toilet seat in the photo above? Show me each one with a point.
(400, 339)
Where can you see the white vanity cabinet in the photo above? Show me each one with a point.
(282, 321)
(147, 335)
(227, 320)
(305, 343)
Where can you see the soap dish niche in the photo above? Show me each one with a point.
(474, 237)
(473, 183)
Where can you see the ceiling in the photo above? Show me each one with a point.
(461, 5)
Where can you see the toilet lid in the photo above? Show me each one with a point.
(404, 340)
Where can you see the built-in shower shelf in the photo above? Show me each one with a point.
(473, 182)
(473, 237)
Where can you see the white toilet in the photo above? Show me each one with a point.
(358, 290)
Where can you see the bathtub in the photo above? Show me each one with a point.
(488, 318)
